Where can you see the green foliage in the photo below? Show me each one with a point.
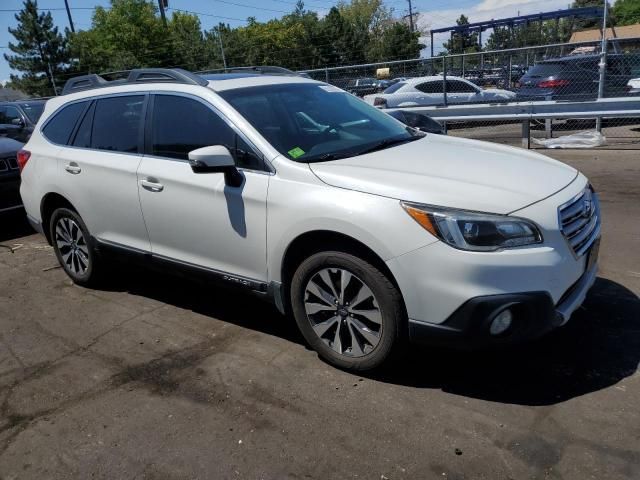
(462, 42)
(126, 36)
(130, 34)
(627, 12)
(40, 52)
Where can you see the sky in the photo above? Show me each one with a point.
(433, 13)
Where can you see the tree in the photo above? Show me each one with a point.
(128, 35)
(397, 42)
(626, 12)
(462, 42)
(186, 41)
(41, 52)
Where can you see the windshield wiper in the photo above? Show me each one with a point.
(388, 142)
(326, 156)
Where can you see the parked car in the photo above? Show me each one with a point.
(9, 175)
(362, 86)
(422, 122)
(367, 231)
(633, 86)
(576, 78)
(429, 91)
(18, 119)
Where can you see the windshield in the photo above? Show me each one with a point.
(546, 69)
(33, 110)
(316, 122)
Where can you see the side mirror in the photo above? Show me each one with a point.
(216, 159)
(18, 122)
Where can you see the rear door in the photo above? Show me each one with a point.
(431, 93)
(98, 169)
(461, 92)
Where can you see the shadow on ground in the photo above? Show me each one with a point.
(14, 225)
(597, 349)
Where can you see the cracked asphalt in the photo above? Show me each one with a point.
(155, 377)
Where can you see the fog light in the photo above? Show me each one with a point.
(501, 322)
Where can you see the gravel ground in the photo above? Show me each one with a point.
(159, 378)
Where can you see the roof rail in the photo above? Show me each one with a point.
(257, 70)
(139, 75)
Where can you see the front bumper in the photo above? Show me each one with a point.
(450, 293)
(534, 315)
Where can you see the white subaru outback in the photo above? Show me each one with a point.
(367, 231)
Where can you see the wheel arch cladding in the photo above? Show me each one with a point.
(49, 204)
(310, 243)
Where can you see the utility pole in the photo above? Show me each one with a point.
(410, 16)
(162, 4)
(66, 4)
(603, 61)
(224, 60)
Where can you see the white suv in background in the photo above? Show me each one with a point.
(367, 231)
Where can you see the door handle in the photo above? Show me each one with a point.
(151, 185)
(73, 168)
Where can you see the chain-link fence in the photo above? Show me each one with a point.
(562, 72)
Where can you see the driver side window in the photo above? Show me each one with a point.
(180, 124)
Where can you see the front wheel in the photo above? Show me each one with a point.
(347, 310)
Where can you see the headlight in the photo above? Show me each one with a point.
(474, 231)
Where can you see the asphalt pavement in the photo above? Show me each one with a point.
(157, 377)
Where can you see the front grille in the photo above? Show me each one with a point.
(13, 163)
(3, 166)
(580, 221)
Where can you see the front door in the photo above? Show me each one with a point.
(195, 218)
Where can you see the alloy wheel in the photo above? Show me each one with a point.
(343, 312)
(72, 245)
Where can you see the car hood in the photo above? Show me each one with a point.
(9, 146)
(451, 172)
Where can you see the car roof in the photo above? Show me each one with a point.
(256, 81)
(577, 58)
(432, 78)
(228, 76)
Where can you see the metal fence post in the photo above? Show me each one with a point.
(444, 79)
(526, 134)
(510, 69)
(603, 63)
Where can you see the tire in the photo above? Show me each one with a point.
(74, 249)
(369, 317)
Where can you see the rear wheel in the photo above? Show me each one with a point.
(72, 244)
(347, 310)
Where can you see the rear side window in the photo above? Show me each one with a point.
(456, 86)
(430, 87)
(83, 135)
(395, 87)
(59, 128)
(116, 123)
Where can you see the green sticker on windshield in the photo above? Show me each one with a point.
(296, 152)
